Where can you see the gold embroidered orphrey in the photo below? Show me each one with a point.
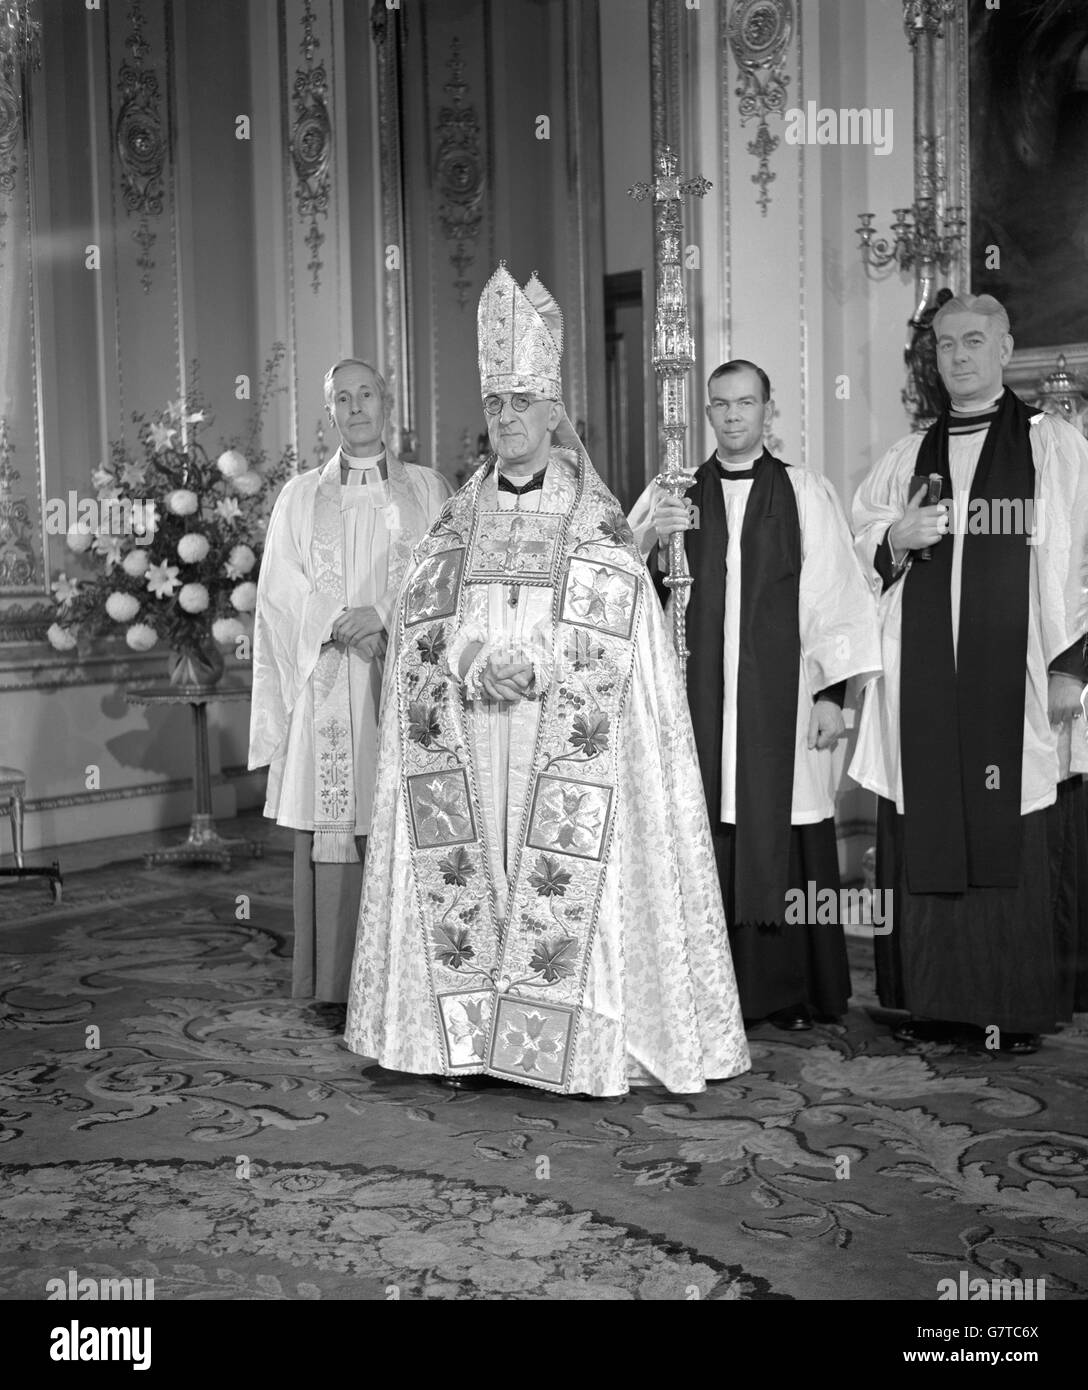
(507, 994)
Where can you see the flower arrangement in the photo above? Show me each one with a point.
(176, 539)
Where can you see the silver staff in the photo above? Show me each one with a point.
(674, 355)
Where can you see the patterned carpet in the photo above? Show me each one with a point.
(167, 1113)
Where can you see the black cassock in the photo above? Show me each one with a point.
(778, 963)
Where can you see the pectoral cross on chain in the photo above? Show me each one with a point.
(513, 542)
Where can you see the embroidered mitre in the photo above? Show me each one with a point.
(520, 337)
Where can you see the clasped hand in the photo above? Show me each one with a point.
(506, 680)
(355, 626)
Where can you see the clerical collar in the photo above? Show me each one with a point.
(739, 475)
(358, 464)
(535, 483)
(972, 422)
(983, 409)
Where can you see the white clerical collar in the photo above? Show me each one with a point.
(977, 409)
(739, 465)
(350, 461)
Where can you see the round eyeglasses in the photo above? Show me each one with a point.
(521, 403)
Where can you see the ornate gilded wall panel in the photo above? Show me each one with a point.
(459, 173)
(141, 140)
(316, 221)
(141, 335)
(310, 143)
(23, 560)
(759, 33)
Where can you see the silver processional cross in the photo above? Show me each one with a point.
(673, 358)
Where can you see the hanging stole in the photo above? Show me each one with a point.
(507, 990)
(334, 781)
(767, 676)
(963, 709)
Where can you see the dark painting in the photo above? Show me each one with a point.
(1028, 101)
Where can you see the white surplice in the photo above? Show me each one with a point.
(838, 630)
(1055, 597)
(381, 520)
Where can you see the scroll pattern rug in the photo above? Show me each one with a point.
(168, 1113)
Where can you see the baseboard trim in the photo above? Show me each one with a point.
(167, 788)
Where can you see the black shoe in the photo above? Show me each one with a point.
(932, 1030)
(474, 1081)
(795, 1019)
(1020, 1043)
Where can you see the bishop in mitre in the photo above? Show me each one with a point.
(337, 547)
(540, 903)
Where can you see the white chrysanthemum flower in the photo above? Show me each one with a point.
(226, 630)
(182, 502)
(228, 509)
(239, 562)
(135, 563)
(232, 464)
(248, 484)
(122, 608)
(244, 597)
(65, 588)
(60, 639)
(193, 598)
(141, 637)
(80, 536)
(193, 548)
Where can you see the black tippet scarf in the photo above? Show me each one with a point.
(962, 735)
(769, 662)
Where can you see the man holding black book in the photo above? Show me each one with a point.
(983, 629)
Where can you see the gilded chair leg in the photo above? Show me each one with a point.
(17, 827)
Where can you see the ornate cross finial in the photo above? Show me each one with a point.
(668, 186)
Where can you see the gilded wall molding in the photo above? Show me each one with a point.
(23, 562)
(310, 144)
(459, 173)
(725, 258)
(802, 239)
(168, 787)
(19, 623)
(141, 141)
(388, 32)
(584, 372)
(759, 33)
(952, 158)
(11, 131)
(28, 664)
(18, 558)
